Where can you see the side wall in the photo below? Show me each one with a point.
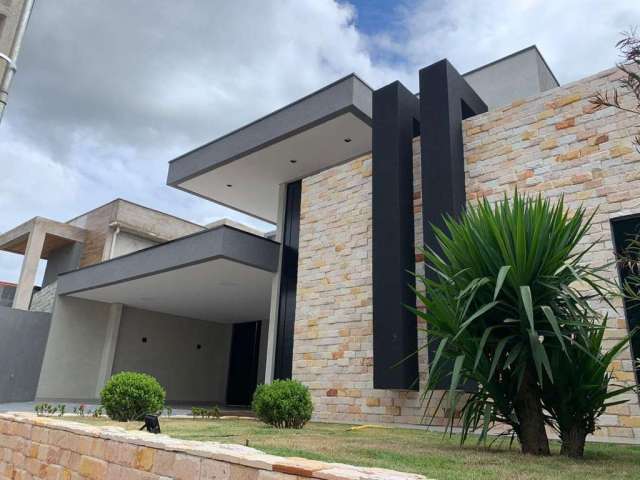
(23, 337)
(171, 354)
(74, 352)
(556, 144)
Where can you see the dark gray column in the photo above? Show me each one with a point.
(445, 100)
(288, 283)
(395, 124)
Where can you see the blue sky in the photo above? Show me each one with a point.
(108, 91)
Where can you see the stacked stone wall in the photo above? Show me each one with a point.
(557, 144)
(44, 448)
(43, 300)
(554, 144)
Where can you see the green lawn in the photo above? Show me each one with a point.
(406, 450)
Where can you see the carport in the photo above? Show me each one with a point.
(190, 312)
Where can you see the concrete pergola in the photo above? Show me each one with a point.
(36, 239)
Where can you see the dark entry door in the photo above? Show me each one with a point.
(243, 363)
(626, 234)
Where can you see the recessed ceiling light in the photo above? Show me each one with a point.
(229, 185)
(347, 140)
(293, 161)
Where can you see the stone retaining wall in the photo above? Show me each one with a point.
(47, 448)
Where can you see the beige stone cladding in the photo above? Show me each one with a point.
(43, 300)
(554, 143)
(557, 144)
(333, 344)
(46, 448)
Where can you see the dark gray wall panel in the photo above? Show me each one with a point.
(23, 338)
(288, 283)
(445, 100)
(395, 336)
(62, 260)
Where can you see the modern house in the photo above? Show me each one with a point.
(352, 178)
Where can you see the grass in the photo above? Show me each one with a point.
(408, 450)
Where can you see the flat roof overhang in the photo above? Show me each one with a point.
(223, 275)
(57, 235)
(244, 169)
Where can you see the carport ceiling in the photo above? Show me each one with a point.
(218, 290)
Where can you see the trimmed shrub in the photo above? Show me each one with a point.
(283, 404)
(132, 395)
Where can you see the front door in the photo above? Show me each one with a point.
(243, 363)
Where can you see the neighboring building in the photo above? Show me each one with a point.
(7, 292)
(353, 179)
(14, 16)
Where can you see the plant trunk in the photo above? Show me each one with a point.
(528, 408)
(573, 442)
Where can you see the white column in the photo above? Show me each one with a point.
(109, 348)
(275, 291)
(32, 253)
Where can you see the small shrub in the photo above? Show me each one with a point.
(283, 404)
(213, 412)
(46, 409)
(131, 395)
(169, 410)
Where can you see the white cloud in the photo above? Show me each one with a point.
(577, 37)
(108, 91)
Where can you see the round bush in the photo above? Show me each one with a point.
(132, 395)
(283, 404)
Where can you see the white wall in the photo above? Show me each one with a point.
(128, 243)
(73, 356)
(188, 374)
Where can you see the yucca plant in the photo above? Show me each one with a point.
(501, 299)
(583, 386)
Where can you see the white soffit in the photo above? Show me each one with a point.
(255, 179)
(244, 169)
(219, 290)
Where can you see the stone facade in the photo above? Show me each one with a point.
(43, 300)
(553, 143)
(333, 345)
(556, 144)
(45, 448)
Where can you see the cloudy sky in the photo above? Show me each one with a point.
(108, 91)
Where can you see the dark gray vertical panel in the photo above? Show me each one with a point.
(395, 114)
(445, 100)
(288, 282)
(23, 338)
